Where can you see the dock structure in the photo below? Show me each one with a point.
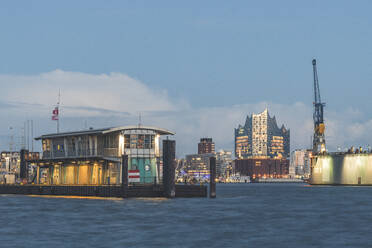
(169, 153)
(342, 168)
(111, 162)
(185, 191)
(212, 179)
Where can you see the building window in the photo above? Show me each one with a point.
(111, 141)
(133, 141)
(152, 141)
(140, 141)
(46, 145)
(127, 141)
(147, 141)
(60, 148)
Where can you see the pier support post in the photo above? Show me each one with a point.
(124, 174)
(38, 174)
(212, 178)
(169, 155)
(23, 173)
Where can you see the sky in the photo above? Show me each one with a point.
(197, 68)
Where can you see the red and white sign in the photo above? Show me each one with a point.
(134, 176)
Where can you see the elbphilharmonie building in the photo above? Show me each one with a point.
(260, 137)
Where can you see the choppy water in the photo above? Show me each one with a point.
(248, 215)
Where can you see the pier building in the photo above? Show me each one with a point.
(94, 156)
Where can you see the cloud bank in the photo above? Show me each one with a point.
(117, 99)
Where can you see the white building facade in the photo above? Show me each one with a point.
(300, 163)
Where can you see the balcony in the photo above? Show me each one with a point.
(72, 153)
(111, 152)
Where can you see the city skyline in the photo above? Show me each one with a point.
(185, 123)
(198, 75)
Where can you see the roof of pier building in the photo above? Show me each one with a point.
(102, 131)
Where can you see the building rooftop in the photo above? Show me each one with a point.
(161, 131)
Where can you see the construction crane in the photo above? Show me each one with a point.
(319, 127)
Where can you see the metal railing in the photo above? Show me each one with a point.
(111, 152)
(71, 153)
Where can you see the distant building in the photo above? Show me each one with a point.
(197, 165)
(261, 137)
(300, 163)
(262, 168)
(12, 163)
(223, 162)
(206, 145)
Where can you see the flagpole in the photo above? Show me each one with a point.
(59, 100)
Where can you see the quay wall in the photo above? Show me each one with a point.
(277, 180)
(103, 191)
(342, 169)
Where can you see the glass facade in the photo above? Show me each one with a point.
(139, 141)
(81, 174)
(261, 137)
(143, 153)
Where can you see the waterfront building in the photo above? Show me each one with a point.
(180, 168)
(206, 145)
(197, 165)
(300, 163)
(260, 137)
(223, 162)
(262, 167)
(13, 165)
(10, 162)
(94, 156)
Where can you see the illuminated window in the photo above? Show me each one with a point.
(152, 141)
(133, 141)
(46, 145)
(126, 141)
(140, 142)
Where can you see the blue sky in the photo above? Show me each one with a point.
(203, 55)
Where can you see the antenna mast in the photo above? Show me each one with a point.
(58, 103)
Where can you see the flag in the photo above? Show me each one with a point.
(55, 114)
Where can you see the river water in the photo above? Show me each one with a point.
(242, 215)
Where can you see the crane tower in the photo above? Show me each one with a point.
(319, 127)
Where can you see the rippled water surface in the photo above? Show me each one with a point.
(247, 215)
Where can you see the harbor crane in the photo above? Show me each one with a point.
(319, 127)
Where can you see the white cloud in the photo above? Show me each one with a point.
(85, 94)
(116, 99)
